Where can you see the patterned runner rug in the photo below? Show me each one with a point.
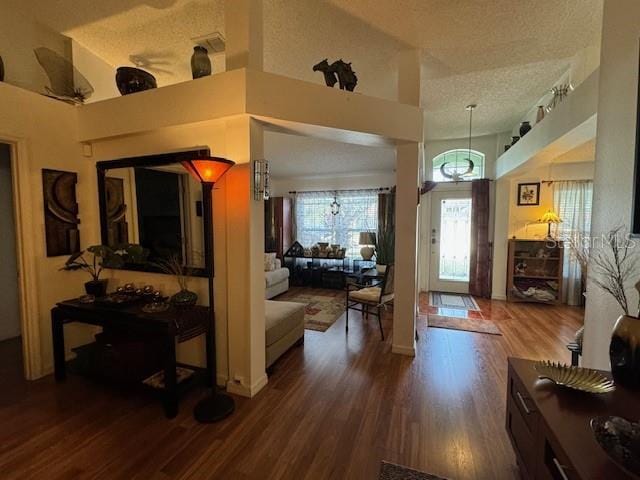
(390, 471)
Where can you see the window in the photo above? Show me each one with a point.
(458, 161)
(315, 222)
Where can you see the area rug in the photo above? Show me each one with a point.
(321, 311)
(477, 325)
(390, 471)
(452, 300)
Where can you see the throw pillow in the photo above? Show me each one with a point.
(269, 262)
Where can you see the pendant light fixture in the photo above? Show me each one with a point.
(458, 173)
(335, 206)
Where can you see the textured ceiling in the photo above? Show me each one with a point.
(501, 54)
(296, 156)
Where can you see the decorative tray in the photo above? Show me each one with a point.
(577, 378)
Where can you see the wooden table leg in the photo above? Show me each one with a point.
(170, 390)
(57, 330)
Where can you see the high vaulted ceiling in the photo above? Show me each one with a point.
(501, 54)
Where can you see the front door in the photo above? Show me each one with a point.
(450, 242)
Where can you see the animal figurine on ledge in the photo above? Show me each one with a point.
(338, 72)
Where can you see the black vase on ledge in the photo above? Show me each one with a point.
(200, 63)
(514, 140)
(524, 128)
(1, 70)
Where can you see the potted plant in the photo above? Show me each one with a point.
(174, 266)
(101, 256)
(613, 268)
(385, 249)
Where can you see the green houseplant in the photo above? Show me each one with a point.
(101, 257)
(385, 249)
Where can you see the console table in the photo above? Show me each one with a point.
(549, 426)
(170, 326)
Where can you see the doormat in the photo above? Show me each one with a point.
(452, 300)
(390, 471)
(477, 325)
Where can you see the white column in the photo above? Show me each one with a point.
(408, 158)
(245, 249)
(243, 31)
(500, 238)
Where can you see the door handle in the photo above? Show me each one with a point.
(523, 403)
(560, 469)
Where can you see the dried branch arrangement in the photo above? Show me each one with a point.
(615, 265)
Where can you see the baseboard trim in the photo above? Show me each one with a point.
(498, 297)
(248, 391)
(402, 350)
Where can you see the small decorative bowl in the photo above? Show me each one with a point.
(620, 439)
(132, 80)
(577, 378)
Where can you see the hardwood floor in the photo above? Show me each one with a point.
(333, 409)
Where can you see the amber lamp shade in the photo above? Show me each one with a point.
(207, 169)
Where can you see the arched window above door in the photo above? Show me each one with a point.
(458, 165)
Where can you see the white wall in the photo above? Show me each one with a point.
(19, 35)
(615, 153)
(10, 318)
(282, 186)
(99, 73)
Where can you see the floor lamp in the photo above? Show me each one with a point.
(208, 170)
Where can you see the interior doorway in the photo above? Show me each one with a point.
(450, 242)
(11, 363)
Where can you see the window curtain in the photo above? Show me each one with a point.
(315, 222)
(480, 256)
(572, 202)
(386, 212)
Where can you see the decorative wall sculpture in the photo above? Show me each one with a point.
(338, 72)
(60, 212)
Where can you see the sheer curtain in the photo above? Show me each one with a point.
(572, 201)
(315, 222)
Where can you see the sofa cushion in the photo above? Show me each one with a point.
(281, 318)
(276, 276)
(269, 262)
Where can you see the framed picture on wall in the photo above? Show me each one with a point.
(528, 194)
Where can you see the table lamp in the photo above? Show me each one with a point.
(550, 217)
(369, 240)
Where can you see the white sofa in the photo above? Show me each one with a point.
(276, 281)
(284, 323)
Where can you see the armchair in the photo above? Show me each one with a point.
(364, 299)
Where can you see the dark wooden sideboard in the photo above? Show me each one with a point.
(549, 426)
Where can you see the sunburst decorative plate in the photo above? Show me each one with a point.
(578, 378)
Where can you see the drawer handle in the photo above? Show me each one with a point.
(523, 403)
(560, 469)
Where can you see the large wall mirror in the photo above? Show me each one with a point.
(155, 203)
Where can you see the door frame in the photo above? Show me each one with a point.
(24, 228)
(427, 221)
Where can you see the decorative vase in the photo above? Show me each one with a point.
(132, 80)
(540, 114)
(184, 298)
(97, 288)
(367, 253)
(524, 128)
(514, 140)
(1, 70)
(507, 147)
(624, 352)
(200, 63)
